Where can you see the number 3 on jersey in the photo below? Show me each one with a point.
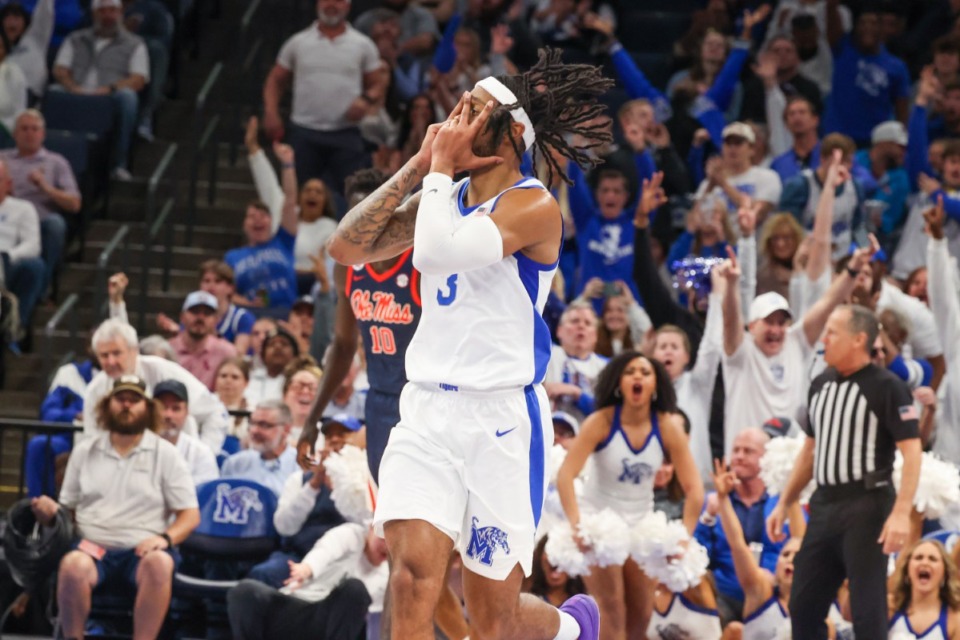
(382, 341)
(445, 299)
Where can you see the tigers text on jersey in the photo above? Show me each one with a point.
(387, 308)
(483, 329)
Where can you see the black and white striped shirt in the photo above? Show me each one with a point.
(857, 421)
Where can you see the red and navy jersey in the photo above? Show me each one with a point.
(387, 308)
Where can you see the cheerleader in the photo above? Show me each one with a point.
(765, 606)
(925, 595)
(691, 614)
(626, 439)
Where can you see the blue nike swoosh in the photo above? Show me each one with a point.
(500, 434)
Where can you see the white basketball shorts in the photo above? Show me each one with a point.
(473, 464)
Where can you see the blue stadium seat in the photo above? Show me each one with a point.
(75, 147)
(652, 31)
(82, 114)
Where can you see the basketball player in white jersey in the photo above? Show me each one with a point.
(465, 466)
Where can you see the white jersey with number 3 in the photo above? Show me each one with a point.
(483, 329)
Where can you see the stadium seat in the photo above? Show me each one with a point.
(652, 31)
(83, 114)
(75, 147)
(667, 6)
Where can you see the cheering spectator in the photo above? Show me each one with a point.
(884, 162)
(21, 269)
(574, 366)
(131, 497)
(232, 379)
(266, 381)
(778, 69)
(316, 209)
(173, 400)
(29, 39)
(107, 60)
(733, 177)
(301, 381)
(418, 27)
(765, 369)
(780, 240)
(329, 100)
(870, 85)
(794, 140)
(197, 346)
(263, 269)
(45, 179)
(234, 323)
(115, 345)
(269, 460)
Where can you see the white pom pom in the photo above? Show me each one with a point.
(655, 537)
(776, 465)
(681, 572)
(563, 552)
(352, 488)
(938, 488)
(557, 455)
(608, 536)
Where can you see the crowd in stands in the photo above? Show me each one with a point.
(804, 155)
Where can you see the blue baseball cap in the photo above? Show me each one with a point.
(345, 420)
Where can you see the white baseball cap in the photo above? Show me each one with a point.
(200, 299)
(889, 131)
(766, 304)
(741, 129)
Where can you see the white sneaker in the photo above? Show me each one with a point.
(145, 131)
(121, 175)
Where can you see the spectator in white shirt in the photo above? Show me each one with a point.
(29, 38)
(732, 177)
(13, 92)
(765, 369)
(326, 597)
(574, 365)
(174, 400)
(115, 345)
(107, 60)
(21, 269)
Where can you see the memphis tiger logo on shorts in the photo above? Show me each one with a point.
(484, 542)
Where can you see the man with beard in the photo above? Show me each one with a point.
(198, 348)
(107, 60)
(122, 488)
(269, 460)
(115, 345)
(329, 99)
(173, 399)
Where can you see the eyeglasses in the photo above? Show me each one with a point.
(876, 352)
(297, 387)
(262, 424)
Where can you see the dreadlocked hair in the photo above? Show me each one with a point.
(560, 99)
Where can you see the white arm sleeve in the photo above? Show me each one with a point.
(747, 256)
(442, 247)
(780, 138)
(268, 186)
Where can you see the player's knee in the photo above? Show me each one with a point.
(409, 585)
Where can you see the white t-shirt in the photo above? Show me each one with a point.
(327, 75)
(757, 182)
(139, 62)
(579, 372)
(922, 337)
(759, 387)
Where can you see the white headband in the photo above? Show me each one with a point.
(505, 97)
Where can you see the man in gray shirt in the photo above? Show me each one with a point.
(336, 76)
(107, 60)
(45, 180)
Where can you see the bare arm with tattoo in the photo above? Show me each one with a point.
(381, 226)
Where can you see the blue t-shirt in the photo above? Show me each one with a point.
(864, 89)
(606, 250)
(266, 266)
(789, 164)
(236, 321)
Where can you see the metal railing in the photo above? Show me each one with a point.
(65, 310)
(204, 133)
(151, 233)
(100, 285)
(12, 491)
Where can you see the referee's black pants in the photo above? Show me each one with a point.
(841, 542)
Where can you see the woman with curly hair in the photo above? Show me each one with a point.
(925, 594)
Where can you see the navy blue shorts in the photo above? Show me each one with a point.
(382, 413)
(117, 570)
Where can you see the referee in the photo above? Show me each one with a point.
(857, 414)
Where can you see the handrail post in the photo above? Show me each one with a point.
(66, 308)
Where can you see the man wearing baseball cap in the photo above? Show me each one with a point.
(766, 367)
(732, 176)
(174, 400)
(119, 69)
(199, 350)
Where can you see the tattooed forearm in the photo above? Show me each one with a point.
(364, 225)
(398, 232)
